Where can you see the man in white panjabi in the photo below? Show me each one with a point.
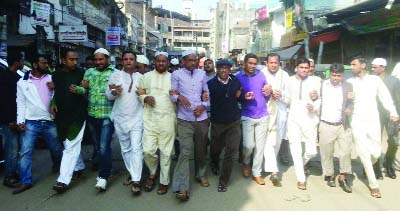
(159, 121)
(277, 110)
(302, 95)
(365, 122)
(127, 115)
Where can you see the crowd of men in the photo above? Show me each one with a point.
(256, 112)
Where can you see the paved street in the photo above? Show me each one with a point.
(243, 194)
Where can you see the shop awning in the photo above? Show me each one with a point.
(326, 37)
(20, 40)
(287, 53)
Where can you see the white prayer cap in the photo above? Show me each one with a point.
(188, 52)
(174, 61)
(379, 61)
(241, 58)
(142, 59)
(311, 60)
(161, 53)
(102, 51)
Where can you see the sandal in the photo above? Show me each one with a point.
(128, 181)
(162, 189)
(301, 185)
(149, 185)
(376, 193)
(136, 188)
(203, 182)
(183, 195)
(222, 187)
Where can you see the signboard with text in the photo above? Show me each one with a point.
(73, 33)
(40, 13)
(113, 36)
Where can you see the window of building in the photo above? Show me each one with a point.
(169, 29)
(158, 26)
(178, 33)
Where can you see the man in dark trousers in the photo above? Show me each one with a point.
(225, 90)
(393, 85)
(8, 115)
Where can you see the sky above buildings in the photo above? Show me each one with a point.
(201, 8)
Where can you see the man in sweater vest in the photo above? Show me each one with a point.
(225, 90)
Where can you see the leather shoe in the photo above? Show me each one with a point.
(259, 180)
(11, 182)
(345, 185)
(22, 188)
(246, 170)
(275, 180)
(390, 172)
(60, 187)
(330, 181)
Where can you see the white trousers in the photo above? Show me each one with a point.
(254, 138)
(367, 139)
(298, 135)
(272, 145)
(72, 159)
(132, 151)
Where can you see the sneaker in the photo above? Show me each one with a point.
(101, 184)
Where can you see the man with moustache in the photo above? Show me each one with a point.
(34, 94)
(254, 116)
(365, 122)
(334, 128)
(188, 85)
(393, 85)
(70, 113)
(277, 109)
(127, 116)
(209, 69)
(99, 110)
(159, 119)
(302, 95)
(225, 90)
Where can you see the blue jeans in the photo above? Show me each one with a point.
(10, 140)
(102, 131)
(46, 129)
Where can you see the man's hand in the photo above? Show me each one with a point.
(266, 90)
(13, 126)
(21, 127)
(199, 110)
(238, 92)
(313, 95)
(173, 92)
(85, 84)
(276, 95)
(53, 110)
(394, 119)
(50, 85)
(310, 107)
(72, 88)
(140, 91)
(249, 96)
(149, 100)
(182, 100)
(116, 90)
(204, 97)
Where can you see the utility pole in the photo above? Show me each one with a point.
(144, 27)
(172, 30)
(3, 37)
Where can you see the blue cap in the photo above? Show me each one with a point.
(224, 62)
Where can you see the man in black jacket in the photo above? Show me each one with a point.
(8, 114)
(225, 90)
(393, 85)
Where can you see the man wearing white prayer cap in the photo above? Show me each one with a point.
(393, 85)
(142, 64)
(159, 120)
(99, 111)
